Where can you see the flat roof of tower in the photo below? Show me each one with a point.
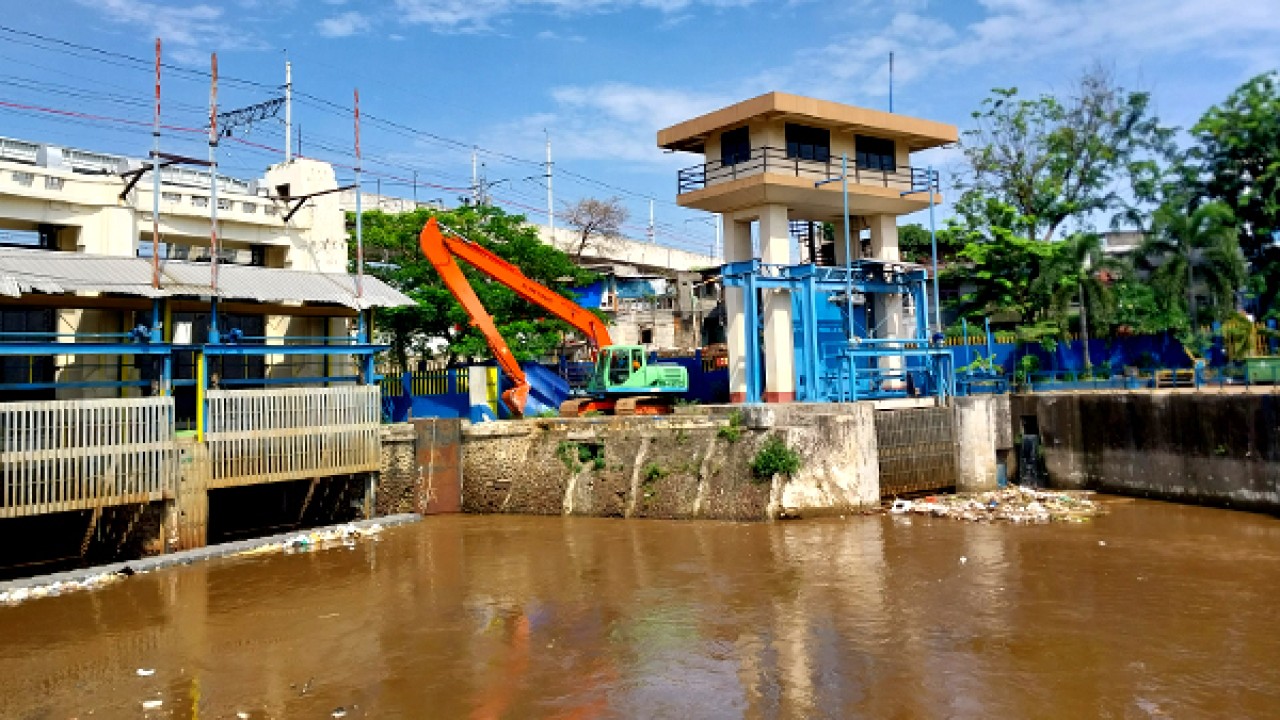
(917, 133)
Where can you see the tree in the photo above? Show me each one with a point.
(915, 245)
(437, 322)
(998, 269)
(597, 223)
(1053, 161)
(1078, 271)
(1189, 243)
(1238, 149)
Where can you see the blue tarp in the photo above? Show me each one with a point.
(589, 296)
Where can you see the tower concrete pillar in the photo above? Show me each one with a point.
(737, 248)
(779, 341)
(888, 306)
(838, 226)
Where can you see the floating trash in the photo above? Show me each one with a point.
(340, 536)
(145, 672)
(1011, 504)
(152, 704)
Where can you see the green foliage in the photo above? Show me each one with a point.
(567, 452)
(572, 454)
(774, 458)
(548, 413)
(1238, 156)
(652, 473)
(915, 245)
(980, 364)
(733, 431)
(391, 249)
(1055, 159)
(1239, 337)
(1000, 267)
(1027, 365)
(1192, 245)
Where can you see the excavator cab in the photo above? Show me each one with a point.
(625, 369)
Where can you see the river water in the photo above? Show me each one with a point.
(1153, 610)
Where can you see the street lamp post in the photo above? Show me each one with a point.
(848, 256)
(931, 177)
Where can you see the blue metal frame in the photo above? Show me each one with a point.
(806, 283)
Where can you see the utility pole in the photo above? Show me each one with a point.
(359, 217)
(651, 232)
(288, 110)
(475, 179)
(213, 200)
(551, 208)
(155, 182)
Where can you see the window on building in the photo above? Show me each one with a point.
(808, 143)
(735, 146)
(646, 336)
(24, 369)
(875, 153)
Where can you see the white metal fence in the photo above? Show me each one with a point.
(260, 436)
(78, 454)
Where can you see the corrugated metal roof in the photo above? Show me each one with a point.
(23, 272)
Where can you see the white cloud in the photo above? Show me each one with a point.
(187, 28)
(609, 121)
(478, 15)
(343, 25)
(1029, 32)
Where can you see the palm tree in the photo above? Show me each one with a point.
(1187, 244)
(1080, 271)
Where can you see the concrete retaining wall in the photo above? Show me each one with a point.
(680, 466)
(1218, 449)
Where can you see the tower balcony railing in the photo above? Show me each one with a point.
(776, 161)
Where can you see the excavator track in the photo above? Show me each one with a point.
(635, 405)
(643, 405)
(578, 407)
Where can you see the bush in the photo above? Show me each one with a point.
(774, 458)
(653, 472)
(733, 431)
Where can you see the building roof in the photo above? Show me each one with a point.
(24, 271)
(917, 133)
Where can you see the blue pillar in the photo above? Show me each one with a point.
(751, 329)
(814, 386)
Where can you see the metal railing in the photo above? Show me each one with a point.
(273, 435)
(775, 161)
(1233, 377)
(65, 455)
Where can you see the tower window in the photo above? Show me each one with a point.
(875, 153)
(808, 143)
(735, 146)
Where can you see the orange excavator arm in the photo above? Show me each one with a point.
(441, 250)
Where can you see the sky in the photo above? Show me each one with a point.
(440, 80)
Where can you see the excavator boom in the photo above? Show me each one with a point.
(441, 250)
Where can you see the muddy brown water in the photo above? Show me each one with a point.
(514, 617)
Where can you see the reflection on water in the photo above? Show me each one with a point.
(509, 617)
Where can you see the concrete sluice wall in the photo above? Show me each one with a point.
(695, 465)
(1207, 448)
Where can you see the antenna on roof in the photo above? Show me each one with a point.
(891, 81)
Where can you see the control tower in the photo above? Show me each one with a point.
(772, 170)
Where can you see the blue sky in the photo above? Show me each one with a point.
(601, 76)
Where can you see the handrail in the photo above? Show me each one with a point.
(776, 161)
